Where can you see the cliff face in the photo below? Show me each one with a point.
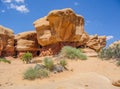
(26, 41)
(6, 41)
(59, 28)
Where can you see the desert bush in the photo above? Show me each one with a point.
(72, 53)
(5, 60)
(110, 52)
(32, 73)
(106, 53)
(42, 73)
(63, 62)
(116, 51)
(27, 57)
(48, 62)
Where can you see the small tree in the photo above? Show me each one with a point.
(27, 57)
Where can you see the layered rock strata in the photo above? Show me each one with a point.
(6, 41)
(26, 42)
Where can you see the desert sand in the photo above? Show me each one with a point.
(93, 73)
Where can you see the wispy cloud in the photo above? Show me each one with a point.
(20, 8)
(7, 1)
(20, 1)
(110, 37)
(76, 3)
(18, 5)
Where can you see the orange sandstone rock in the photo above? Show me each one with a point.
(6, 41)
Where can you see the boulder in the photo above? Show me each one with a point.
(61, 26)
(6, 42)
(26, 41)
(96, 42)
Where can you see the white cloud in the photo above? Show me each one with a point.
(76, 3)
(20, 1)
(7, 1)
(18, 5)
(20, 8)
(110, 37)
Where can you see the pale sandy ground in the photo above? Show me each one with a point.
(90, 74)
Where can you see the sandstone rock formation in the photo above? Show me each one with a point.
(114, 43)
(116, 83)
(96, 42)
(64, 27)
(6, 42)
(26, 41)
(59, 28)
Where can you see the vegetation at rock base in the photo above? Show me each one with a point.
(27, 57)
(72, 53)
(5, 60)
(33, 73)
(63, 62)
(48, 62)
(111, 52)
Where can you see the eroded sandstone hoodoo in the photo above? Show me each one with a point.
(6, 42)
(64, 27)
(96, 42)
(26, 41)
(60, 27)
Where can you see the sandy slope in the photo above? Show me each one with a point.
(90, 74)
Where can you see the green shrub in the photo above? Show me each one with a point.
(63, 63)
(116, 51)
(42, 73)
(72, 53)
(110, 52)
(5, 60)
(27, 57)
(48, 63)
(106, 53)
(32, 73)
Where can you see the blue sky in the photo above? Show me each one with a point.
(102, 17)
